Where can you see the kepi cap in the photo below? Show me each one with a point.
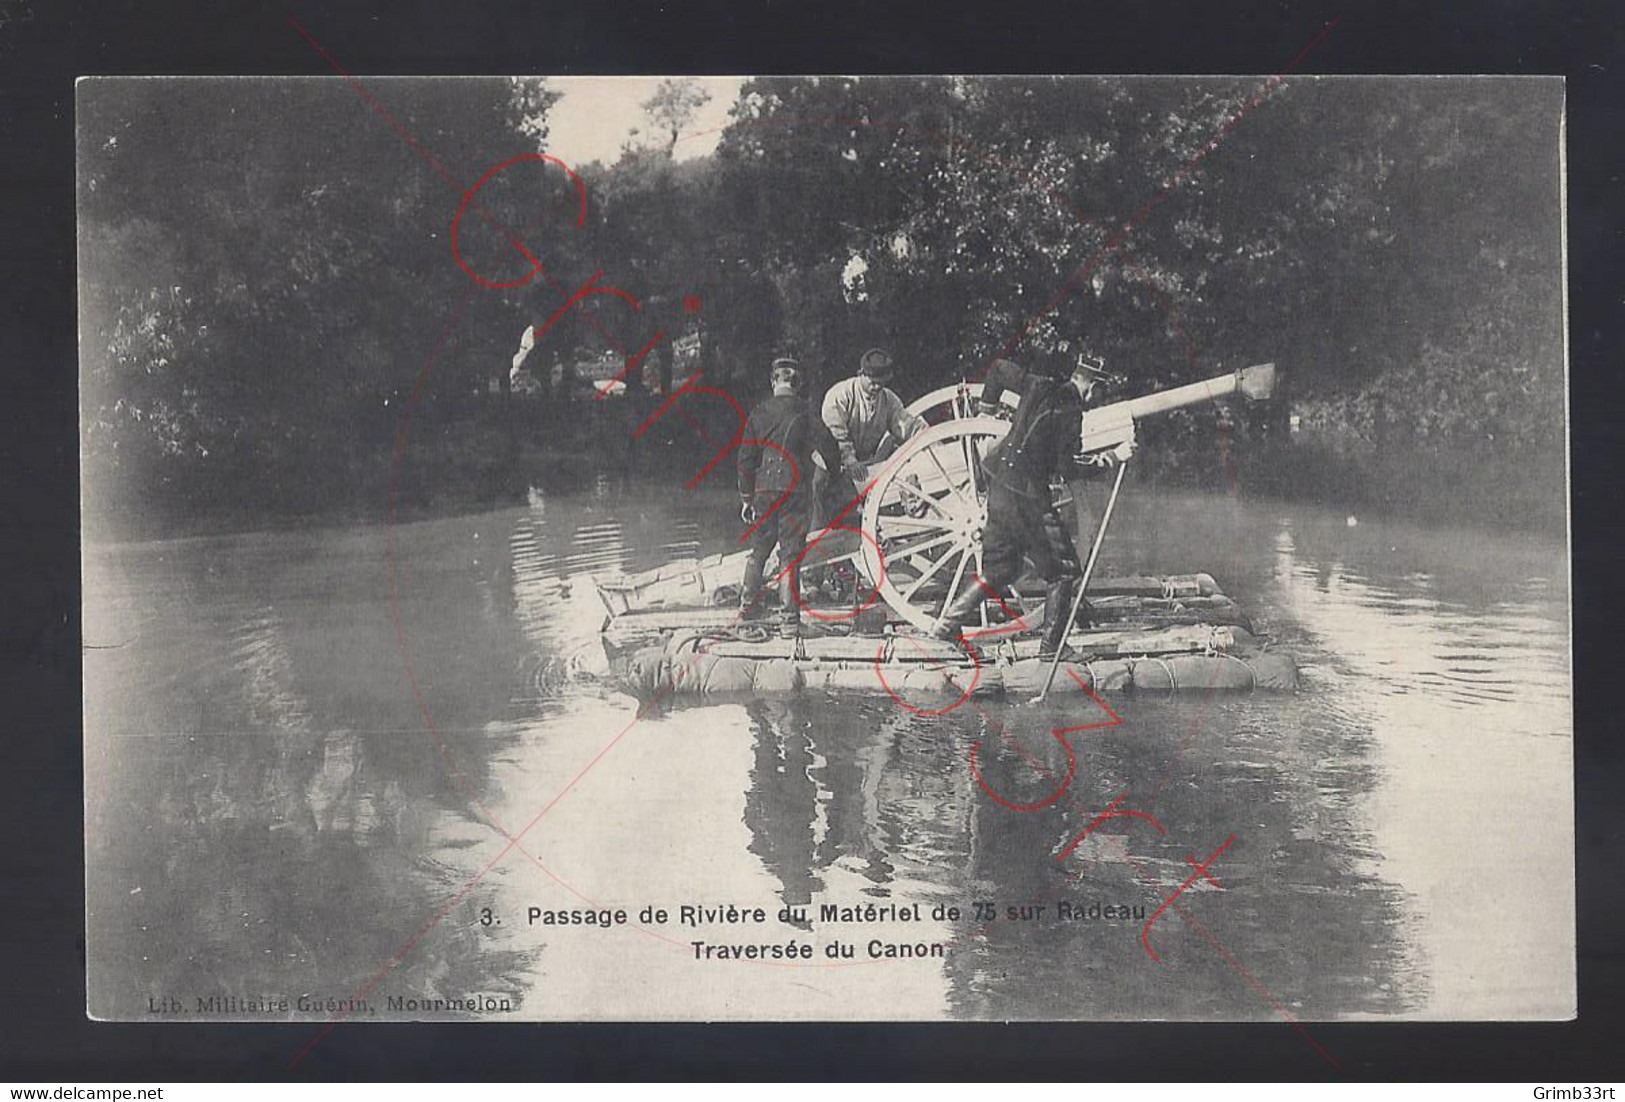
(785, 370)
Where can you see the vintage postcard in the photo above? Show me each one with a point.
(825, 548)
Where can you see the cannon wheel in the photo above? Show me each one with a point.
(950, 403)
(958, 402)
(955, 403)
(925, 514)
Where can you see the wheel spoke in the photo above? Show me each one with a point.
(898, 554)
(908, 594)
(953, 586)
(926, 529)
(890, 521)
(979, 581)
(946, 477)
(904, 487)
(968, 445)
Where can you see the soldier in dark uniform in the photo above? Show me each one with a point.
(1043, 442)
(786, 421)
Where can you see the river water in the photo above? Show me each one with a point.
(305, 773)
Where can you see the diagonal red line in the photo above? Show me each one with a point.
(1263, 992)
(514, 841)
(445, 174)
(1190, 736)
(417, 147)
(1112, 718)
(1113, 245)
(451, 904)
(372, 102)
(1228, 957)
(1016, 624)
(1116, 241)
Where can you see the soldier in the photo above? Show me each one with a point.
(785, 422)
(863, 414)
(1021, 519)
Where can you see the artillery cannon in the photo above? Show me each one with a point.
(926, 508)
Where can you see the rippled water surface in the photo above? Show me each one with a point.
(296, 759)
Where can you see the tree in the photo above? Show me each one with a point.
(531, 101)
(263, 263)
(673, 106)
(258, 257)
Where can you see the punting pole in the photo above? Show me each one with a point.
(1088, 570)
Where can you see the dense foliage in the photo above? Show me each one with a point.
(267, 267)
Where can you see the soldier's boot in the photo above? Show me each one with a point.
(789, 606)
(1057, 605)
(965, 606)
(751, 589)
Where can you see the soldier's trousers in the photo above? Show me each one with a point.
(786, 528)
(1020, 527)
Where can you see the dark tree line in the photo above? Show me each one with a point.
(266, 264)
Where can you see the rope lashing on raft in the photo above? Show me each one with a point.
(1252, 672)
(1173, 681)
(697, 642)
(752, 633)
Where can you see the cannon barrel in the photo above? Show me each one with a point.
(1253, 383)
(1106, 426)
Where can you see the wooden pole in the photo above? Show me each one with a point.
(1088, 571)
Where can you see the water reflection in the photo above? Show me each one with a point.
(1451, 649)
(237, 846)
(782, 805)
(904, 818)
(269, 808)
(854, 793)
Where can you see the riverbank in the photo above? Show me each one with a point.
(493, 454)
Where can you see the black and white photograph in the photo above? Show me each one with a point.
(825, 548)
